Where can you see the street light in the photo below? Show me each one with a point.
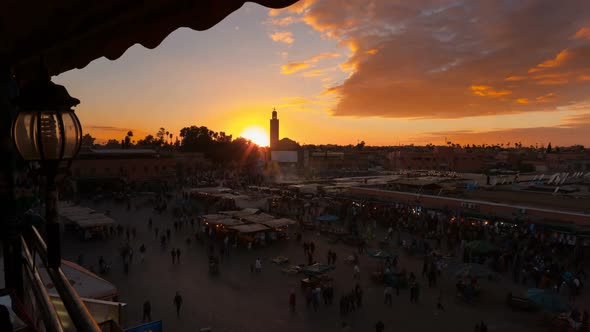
(47, 130)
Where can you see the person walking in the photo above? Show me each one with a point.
(177, 255)
(379, 327)
(258, 265)
(316, 295)
(356, 272)
(150, 223)
(388, 295)
(173, 254)
(147, 311)
(177, 303)
(358, 294)
(142, 252)
(292, 300)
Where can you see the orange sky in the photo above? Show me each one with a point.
(383, 71)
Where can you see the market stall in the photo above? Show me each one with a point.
(251, 235)
(86, 221)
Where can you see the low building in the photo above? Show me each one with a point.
(116, 167)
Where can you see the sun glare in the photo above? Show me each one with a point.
(257, 135)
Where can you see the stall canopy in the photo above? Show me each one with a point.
(258, 218)
(225, 222)
(70, 34)
(242, 213)
(250, 228)
(84, 217)
(278, 223)
(86, 283)
(210, 217)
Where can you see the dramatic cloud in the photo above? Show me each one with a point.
(293, 67)
(283, 37)
(322, 56)
(451, 59)
(283, 22)
(583, 33)
(573, 130)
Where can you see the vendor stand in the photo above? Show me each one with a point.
(278, 227)
(251, 235)
(86, 221)
(316, 275)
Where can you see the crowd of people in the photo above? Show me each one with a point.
(532, 255)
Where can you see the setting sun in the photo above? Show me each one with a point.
(256, 134)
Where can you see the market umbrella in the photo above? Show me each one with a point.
(380, 254)
(547, 300)
(481, 247)
(472, 270)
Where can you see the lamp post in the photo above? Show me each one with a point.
(47, 130)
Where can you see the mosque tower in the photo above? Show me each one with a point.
(274, 130)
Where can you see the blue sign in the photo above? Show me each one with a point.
(149, 327)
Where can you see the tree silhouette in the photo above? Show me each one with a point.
(88, 140)
(127, 141)
(112, 144)
(549, 148)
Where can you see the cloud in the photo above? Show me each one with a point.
(546, 97)
(107, 128)
(284, 21)
(283, 37)
(561, 81)
(322, 56)
(293, 67)
(522, 100)
(559, 59)
(313, 73)
(572, 130)
(583, 33)
(485, 91)
(515, 78)
(430, 53)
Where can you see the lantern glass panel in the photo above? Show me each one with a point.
(50, 139)
(73, 134)
(25, 135)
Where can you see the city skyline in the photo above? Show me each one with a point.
(339, 76)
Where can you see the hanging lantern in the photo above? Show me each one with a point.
(46, 129)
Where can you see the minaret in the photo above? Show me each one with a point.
(274, 129)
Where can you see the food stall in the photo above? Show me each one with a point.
(278, 227)
(86, 221)
(251, 235)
